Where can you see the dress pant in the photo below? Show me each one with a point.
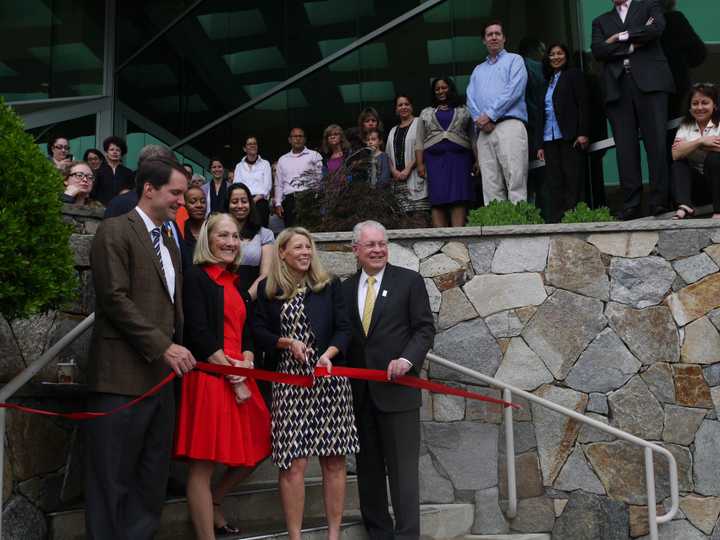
(127, 460)
(684, 175)
(564, 176)
(503, 160)
(389, 441)
(262, 207)
(648, 112)
(289, 215)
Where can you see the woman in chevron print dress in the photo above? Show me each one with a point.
(300, 314)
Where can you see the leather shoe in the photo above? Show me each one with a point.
(626, 214)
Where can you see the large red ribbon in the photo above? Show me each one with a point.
(375, 375)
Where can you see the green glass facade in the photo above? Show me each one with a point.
(201, 75)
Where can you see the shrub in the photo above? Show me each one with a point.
(341, 199)
(37, 272)
(505, 213)
(582, 213)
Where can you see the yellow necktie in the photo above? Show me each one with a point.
(369, 304)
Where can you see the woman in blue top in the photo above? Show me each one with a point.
(566, 126)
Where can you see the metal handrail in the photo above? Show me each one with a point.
(509, 391)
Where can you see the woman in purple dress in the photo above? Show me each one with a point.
(444, 154)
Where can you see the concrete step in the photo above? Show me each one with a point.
(259, 500)
(507, 537)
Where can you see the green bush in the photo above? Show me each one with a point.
(505, 213)
(582, 213)
(37, 272)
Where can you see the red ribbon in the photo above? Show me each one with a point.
(375, 375)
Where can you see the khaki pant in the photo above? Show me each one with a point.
(503, 160)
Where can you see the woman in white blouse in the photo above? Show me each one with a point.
(696, 150)
(256, 174)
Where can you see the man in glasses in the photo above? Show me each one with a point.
(392, 330)
(637, 81)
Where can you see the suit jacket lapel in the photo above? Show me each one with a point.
(632, 12)
(381, 300)
(138, 225)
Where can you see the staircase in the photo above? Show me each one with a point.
(255, 507)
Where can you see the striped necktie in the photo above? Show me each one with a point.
(156, 234)
(369, 304)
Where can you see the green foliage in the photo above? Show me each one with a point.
(505, 213)
(37, 271)
(582, 213)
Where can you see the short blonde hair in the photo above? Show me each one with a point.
(280, 278)
(203, 254)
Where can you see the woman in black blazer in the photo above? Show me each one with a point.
(300, 313)
(566, 127)
(220, 419)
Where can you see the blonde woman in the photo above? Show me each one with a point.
(221, 420)
(300, 314)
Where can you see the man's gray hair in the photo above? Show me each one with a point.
(369, 224)
(154, 151)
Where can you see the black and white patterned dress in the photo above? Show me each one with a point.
(315, 421)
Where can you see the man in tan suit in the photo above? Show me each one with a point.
(138, 327)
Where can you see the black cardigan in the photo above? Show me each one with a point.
(204, 305)
(571, 104)
(326, 314)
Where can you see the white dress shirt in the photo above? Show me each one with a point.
(362, 292)
(257, 177)
(295, 172)
(167, 264)
(623, 9)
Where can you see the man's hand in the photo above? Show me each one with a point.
(582, 141)
(482, 120)
(613, 39)
(541, 154)
(489, 127)
(180, 360)
(279, 211)
(397, 368)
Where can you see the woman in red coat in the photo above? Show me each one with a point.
(221, 419)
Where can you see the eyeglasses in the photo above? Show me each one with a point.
(61, 147)
(81, 175)
(373, 245)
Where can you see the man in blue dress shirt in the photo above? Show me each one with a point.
(496, 99)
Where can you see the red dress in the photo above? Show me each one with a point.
(212, 426)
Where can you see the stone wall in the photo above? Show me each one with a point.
(617, 321)
(42, 472)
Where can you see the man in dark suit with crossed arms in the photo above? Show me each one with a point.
(637, 80)
(138, 325)
(392, 330)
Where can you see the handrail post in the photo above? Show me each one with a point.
(2, 464)
(510, 455)
(650, 485)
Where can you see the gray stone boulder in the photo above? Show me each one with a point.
(556, 433)
(438, 265)
(434, 488)
(576, 266)
(469, 344)
(707, 459)
(641, 282)
(490, 293)
(681, 424)
(426, 248)
(505, 324)
(23, 521)
(604, 366)
(635, 410)
(694, 268)
(534, 515)
(590, 517)
(701, 344)
(625, 244)
(522, 368)
(577, 474)
(338, 262)
(523, 254)
(489, 519)
(466, 451)
(454, 308)
(673, 244)
(562, 328)
(403, 257)
(433, 294)
(659, 378)
(650, 333)
(481, 255)
(677, 530)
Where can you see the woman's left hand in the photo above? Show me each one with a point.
(325, 362)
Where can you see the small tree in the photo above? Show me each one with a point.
(37, 272)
